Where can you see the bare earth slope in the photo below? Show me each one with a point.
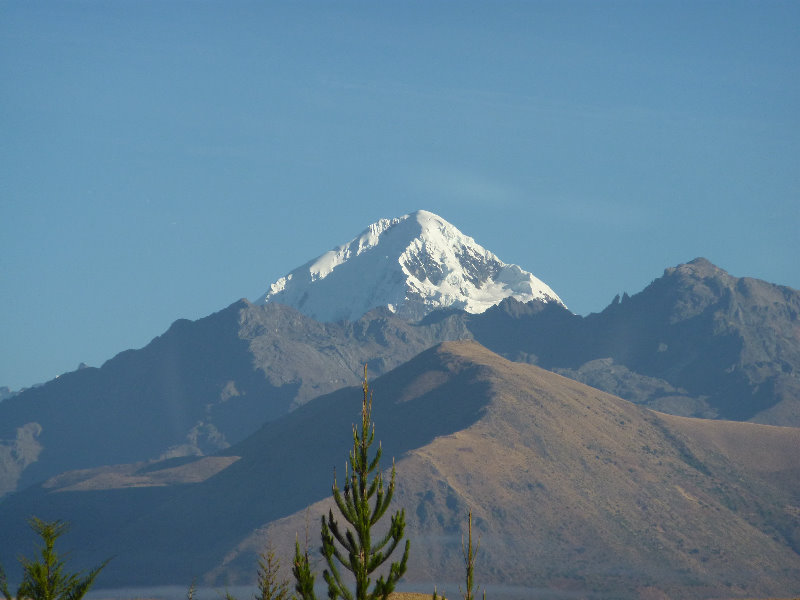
(578, 492)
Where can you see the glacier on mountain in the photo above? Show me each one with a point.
(411, 265)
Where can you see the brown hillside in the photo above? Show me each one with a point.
(581, 493)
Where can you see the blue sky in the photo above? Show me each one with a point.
(160, 160)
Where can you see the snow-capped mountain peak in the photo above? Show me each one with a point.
(412, 265)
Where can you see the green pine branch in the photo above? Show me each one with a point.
(45, 578)
(364, 500)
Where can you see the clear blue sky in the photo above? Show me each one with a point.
(160, 160)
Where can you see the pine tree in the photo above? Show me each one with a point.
(303, 576)
(470, 552)
(45, 579)
(365, 499)
(4, 584)
(270, 584)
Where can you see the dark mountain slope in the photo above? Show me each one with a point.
(710, 343)
(197, 388)
(140, 404)
(736, 341)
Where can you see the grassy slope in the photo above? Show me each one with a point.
(577, 490)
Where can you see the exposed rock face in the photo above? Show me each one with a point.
(17, 453)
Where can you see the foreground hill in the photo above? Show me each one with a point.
(574, 491)
(580, 491)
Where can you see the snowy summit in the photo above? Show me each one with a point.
(411, 265)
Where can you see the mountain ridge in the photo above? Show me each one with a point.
(196, 440)
(695, 342)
